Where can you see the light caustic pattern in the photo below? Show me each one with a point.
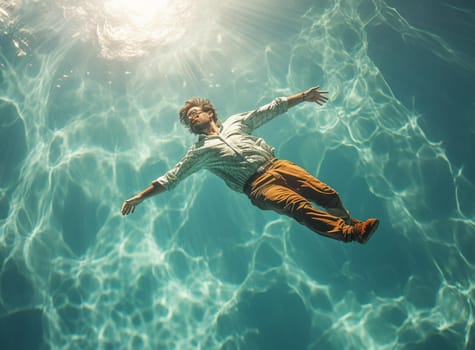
(88, 117)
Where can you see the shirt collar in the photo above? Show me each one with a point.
(201, 137)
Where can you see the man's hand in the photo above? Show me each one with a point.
(315, 95)
(311, 95)
(129, 205)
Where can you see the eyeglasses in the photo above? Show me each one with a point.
(194, 113)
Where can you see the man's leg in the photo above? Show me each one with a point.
(285, 201)
(288, 189)
(299, 180)
(274, 191)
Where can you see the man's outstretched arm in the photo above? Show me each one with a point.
(313, 94)
(129, 205)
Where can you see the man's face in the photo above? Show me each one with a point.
(198, 119)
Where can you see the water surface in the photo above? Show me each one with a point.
(89, 93)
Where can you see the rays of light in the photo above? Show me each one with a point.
(137, 12)
(131, 28)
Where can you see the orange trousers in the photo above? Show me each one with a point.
(288, 189)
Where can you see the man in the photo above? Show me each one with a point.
(247, 164)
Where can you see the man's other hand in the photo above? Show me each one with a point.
(316, 95)
(129, 205)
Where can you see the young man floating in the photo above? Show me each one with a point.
(247, 164)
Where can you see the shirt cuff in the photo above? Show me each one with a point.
(161, 181)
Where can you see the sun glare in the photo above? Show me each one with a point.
(129, 28)
(126, 29)
(137, 12)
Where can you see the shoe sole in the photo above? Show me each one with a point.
(371, 232)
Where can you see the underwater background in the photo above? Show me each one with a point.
(89, 94)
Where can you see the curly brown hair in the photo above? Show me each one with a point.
(204, 104)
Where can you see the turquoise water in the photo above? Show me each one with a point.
(89, 93)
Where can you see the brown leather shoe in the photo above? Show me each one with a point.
(363, 230)
(354, 221)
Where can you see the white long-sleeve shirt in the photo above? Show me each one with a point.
(234, 154)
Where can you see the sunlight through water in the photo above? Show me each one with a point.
(126, 29)
(89, 94)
